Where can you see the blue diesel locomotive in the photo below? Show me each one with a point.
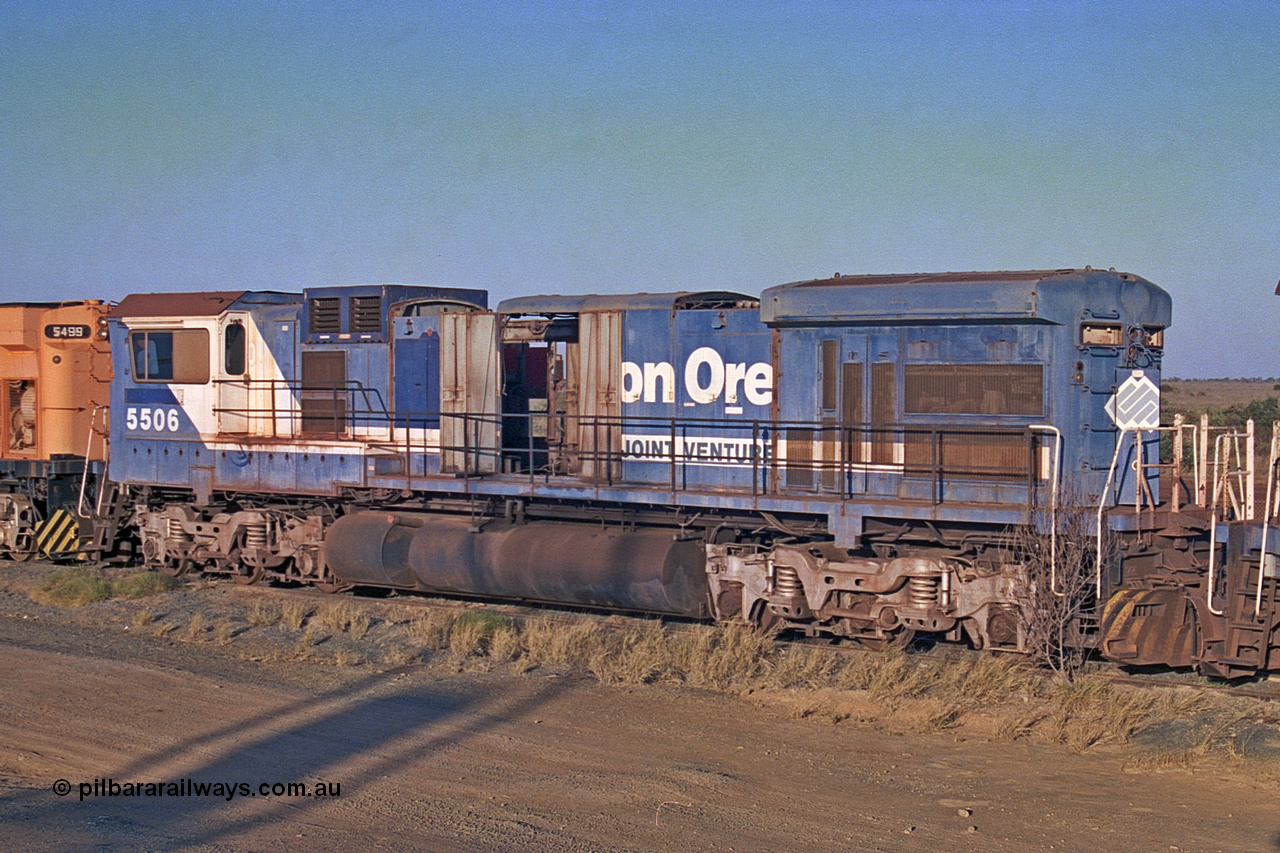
(850, 456)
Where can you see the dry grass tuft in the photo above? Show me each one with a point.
(263, 613)
(293, 614)
(505, 644)
(334, 615)
(994, 695)
(305, 647)
(550, 642)
(346, 657)
(143, 584)
(398, 656)
(1090, 711)
(1018, 726)
(431, 630)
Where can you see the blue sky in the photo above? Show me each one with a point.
(541, 147)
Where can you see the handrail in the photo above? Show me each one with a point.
(1102, 502)
(989, 458)
(1266, 519)
(84, 475)
(1219, 481)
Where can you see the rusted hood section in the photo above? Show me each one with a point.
(176, 304)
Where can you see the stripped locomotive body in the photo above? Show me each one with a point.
(55, 373)
(855, 457)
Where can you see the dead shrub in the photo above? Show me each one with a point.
(1057, 582)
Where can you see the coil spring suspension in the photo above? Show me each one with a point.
(255, 536)
(176, 533)
(923, 592)
(786, 582)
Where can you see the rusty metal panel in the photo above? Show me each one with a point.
(1009, 296)
(1147, 627)
(470, 393)
(176, 304)
(680, 300)
(566, 563)
(600, 439)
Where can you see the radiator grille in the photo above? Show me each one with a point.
(325, 316)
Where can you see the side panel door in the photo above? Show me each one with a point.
(600, 441)
(416, 372)
(470, 393)
(884, 440)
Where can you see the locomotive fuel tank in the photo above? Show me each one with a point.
(568, 563)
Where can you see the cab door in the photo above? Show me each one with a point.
(232, 374)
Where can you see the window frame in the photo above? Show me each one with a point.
(186, 366)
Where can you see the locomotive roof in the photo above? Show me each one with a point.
(203, 304)
(50, 304)
(1026, 295)
(678, 300)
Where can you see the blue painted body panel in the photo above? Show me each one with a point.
(677, 355)
(416, 397)
(733, 387)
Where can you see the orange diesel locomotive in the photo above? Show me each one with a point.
(55, 370)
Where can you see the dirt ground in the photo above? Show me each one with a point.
(432, 759)
(1197, 394)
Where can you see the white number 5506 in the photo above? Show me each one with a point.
(155, 419)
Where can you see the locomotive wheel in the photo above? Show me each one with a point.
(175, 570)
(24, 546)
(897, 640)
(248, 575)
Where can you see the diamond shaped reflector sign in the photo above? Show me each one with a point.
(1136, 403)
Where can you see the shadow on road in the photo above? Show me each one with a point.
(352, 736)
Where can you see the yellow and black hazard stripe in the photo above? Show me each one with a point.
(58, 534)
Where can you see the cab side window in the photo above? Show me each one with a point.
(233, 349)
(179, 356)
